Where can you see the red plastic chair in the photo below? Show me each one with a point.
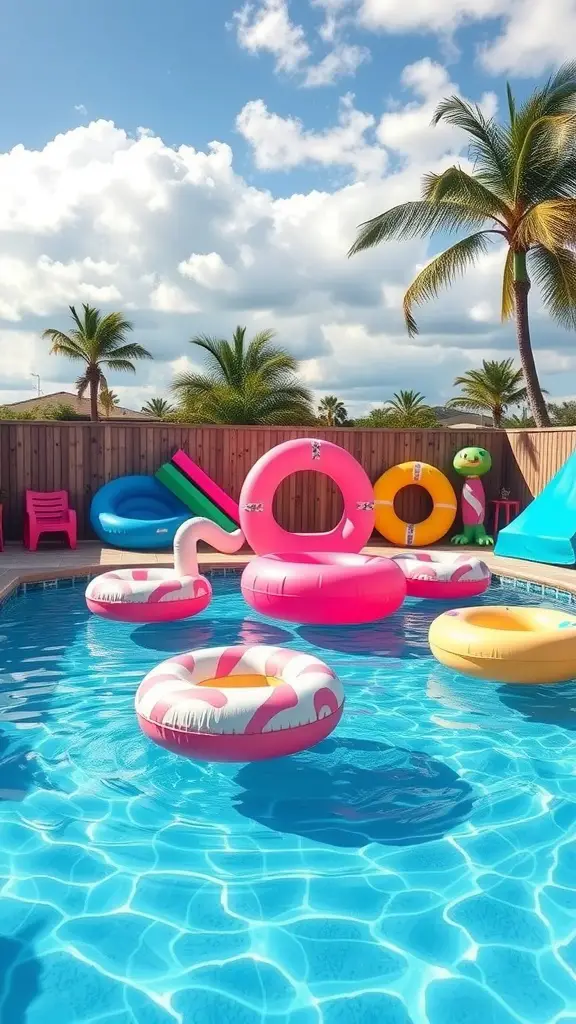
(48, 512)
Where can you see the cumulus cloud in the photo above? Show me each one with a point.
(283, 142)
(180, 240)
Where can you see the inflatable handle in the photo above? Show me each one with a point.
(199, 528)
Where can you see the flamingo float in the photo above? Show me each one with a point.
(162, 595)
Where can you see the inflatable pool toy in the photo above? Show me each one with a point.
(473, 463)
(192, 497)
(161, 595)
(431, 529)
(136, 512)
(239, 703)
(266, 536)
(205, 483)
(323, 588)
(545, 531)
(507, 645)
(442, 575)
(315, 578)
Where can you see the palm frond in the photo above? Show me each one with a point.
(490, 147)
(555, 272)
(415, 220)
(441, 272)
(551, 223)
(456, 186)
(131, 350)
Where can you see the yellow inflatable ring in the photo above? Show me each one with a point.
(507, 645)
(440, 490)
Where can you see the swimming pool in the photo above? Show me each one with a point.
(418, 866)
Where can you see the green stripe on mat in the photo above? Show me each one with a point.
(193, 498)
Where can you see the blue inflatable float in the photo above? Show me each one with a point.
(137, 512)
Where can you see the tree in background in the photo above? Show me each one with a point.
(109, 401)
(519, 420)
(523, 190)
(492, 389)
(404, 410)
(251, 382)
(100, 342)
(331, 411)
(159, 408)
(563, 414)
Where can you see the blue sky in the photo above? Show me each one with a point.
(307, 161)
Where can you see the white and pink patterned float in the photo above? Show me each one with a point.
(161, 595)
(442, 575)
(239, 703)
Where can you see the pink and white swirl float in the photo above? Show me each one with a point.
(162, 595)
(443, 576)
(315, 578)
(239, 703)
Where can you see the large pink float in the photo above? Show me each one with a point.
(161, 595)
(316, 578)
(239, 703)
(444, 576)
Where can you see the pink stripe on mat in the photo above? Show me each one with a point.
(207, 484)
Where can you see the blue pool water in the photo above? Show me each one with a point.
(418, 866)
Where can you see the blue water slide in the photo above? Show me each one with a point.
(546, 530)
(137, 512)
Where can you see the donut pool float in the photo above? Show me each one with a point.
(324, 589)
(507, 645)
(239, 703)
(442, 575)
(147, 595)
(444, 504)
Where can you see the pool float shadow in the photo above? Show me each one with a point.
(554, 704)
(350, 792)
(404, 635)
(188, 634)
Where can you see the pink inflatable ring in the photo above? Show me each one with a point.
(239, 703)
(147, 595)
(324, 589)
(444, 576)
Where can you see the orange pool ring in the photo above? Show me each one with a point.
(440, 490)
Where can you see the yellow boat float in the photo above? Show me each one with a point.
(507, 645)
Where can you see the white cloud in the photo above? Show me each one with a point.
(208, 270)
(532, 35)
(283, 143)
(80, 109)
(268, 28)
(342, 60)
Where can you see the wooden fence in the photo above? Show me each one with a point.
(81, 457)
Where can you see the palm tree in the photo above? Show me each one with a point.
(108, 400)
(564, 414)
(519, 420)
(159, 408)
(97, 341)
(245, 383)
(522, 189)
(492, 389)
(410, 409)
(331, 411)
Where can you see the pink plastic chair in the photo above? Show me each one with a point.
(48, 512)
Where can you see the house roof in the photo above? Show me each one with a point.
(79, 405)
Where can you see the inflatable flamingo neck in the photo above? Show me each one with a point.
(194, 530)
(473, 501)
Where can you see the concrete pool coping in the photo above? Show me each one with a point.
(19, 566)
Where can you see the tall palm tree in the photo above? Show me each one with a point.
(245, 382)
(331, 411)
(97, 341)
(108, 400)
(159, 408)
(493, 388)
(522, 189)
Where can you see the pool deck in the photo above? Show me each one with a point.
(17, 565)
